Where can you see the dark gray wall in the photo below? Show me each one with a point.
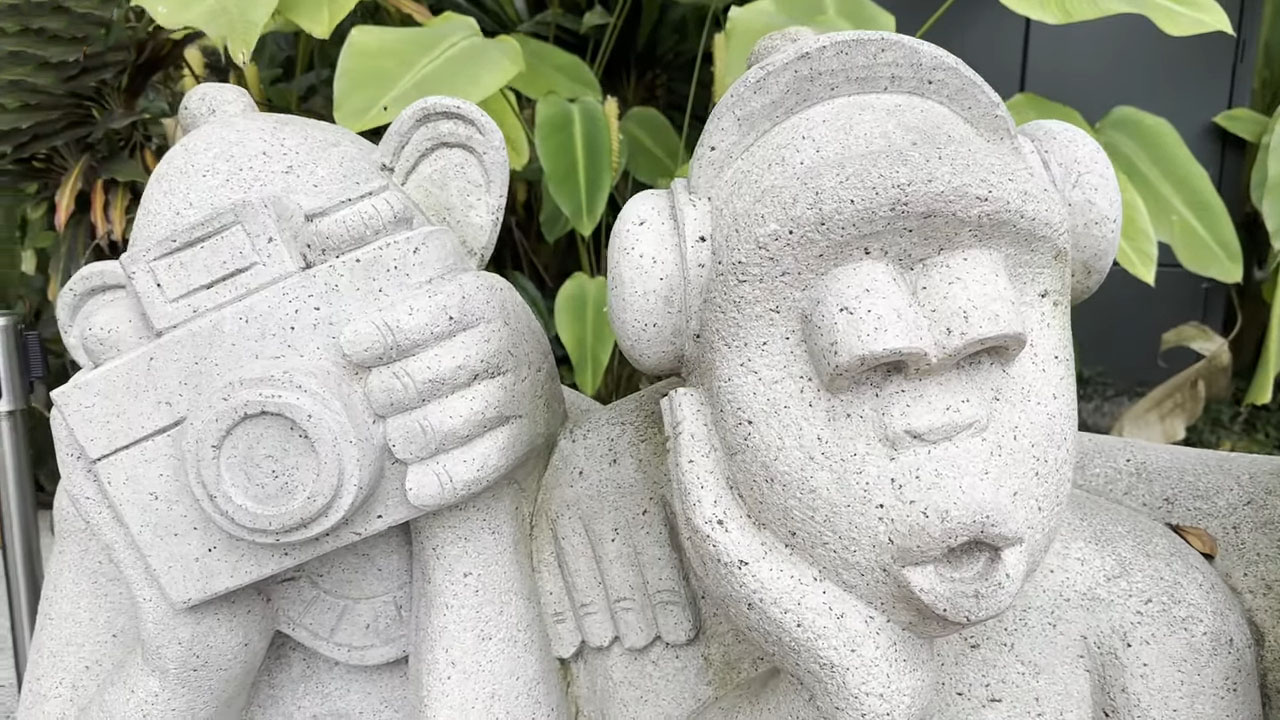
(1094, 66)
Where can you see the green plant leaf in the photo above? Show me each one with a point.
(382, 70)
(1174, 17)
(653, 144)
(572, 139)
(1026, 106)
(595, 17)
(550, 70)
(1258, 173)
(317, 17)
(1243, 122)
(1264, 374)
(1139, 250)
(748, 23)
(234, 23)
(1164, 414)
(1269, 207)
(502, 108)
(1183, 203)
(551, 219)
(582, 321)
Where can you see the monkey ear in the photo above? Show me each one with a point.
(1082, 173)
(99, 317)
(451, 158)
(659, 257)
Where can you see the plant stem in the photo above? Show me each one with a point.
(934, 17)
(301, 56)
(415, 10)
(693, 84)
(583, 259)
(515, 108)
(611, 36)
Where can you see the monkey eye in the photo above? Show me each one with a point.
(861, 318)
(971, 307)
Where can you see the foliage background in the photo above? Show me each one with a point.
(597, 101)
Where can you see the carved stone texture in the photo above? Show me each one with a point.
(865, 284)
(295, 361)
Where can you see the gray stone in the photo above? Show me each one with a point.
(865, 286)
(309, 466)
(304, 424)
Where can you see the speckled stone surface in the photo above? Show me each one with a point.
(309, 469)
(865, 285)
(298, 460)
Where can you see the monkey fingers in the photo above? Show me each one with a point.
(496, 446)
(445, 307)
(467, 358)
(557, 606)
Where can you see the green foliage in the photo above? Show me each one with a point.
(748, 23)
(504, 111)
(572, 138)
(582, 322)
(1174, 17)
(234, 23)
(317, 18)
(1183, 203)
(1138, 249)
(1245, 123)
(655, 155)
(549, 70)
(382, 70)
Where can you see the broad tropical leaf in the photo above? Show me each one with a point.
(503, 109)
(1164, 414)
(1267, 199)
(654, 146)
(572, 139)
(317, 17)
(582, 322)
(1264, 375)
(1139, 250)
(550, 70)
(235, 23)
(1184, 206)
(551, 219)
(1175, 17)
(382, 70)
(1243, 122)
(750, 22)
(1027, 106)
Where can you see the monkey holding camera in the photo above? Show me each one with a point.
(302, 409)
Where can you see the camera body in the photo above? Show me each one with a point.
(239, 443)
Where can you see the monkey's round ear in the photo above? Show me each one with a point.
(1082, 173)
(451, 158)
(98, 315)
(213, 101)
(659, 257)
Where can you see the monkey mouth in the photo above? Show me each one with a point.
(969, 582)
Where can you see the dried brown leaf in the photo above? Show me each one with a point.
(1198, 538)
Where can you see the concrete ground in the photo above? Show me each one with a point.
(8, 679)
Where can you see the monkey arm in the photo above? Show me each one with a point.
(478, 648)
(86, 624)
(122, 650)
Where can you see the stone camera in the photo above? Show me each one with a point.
(263, 450)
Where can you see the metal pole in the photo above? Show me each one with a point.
(22, 562)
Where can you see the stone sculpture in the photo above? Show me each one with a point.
(309, 467)
(865, 288)
(294, 364)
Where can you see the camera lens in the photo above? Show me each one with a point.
(282, 457)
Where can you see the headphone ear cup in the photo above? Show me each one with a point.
(647, 306)
(1084, 177)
